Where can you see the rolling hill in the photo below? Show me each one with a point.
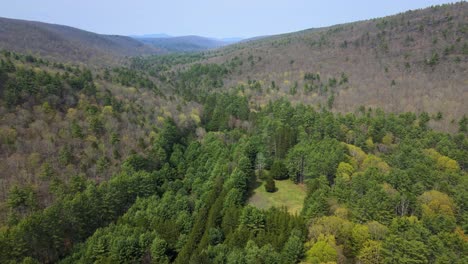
(67, 43)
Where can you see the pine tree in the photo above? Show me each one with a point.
(270, 185)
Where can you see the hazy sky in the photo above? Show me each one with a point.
(213, 18)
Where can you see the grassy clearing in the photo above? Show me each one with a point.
(288, 194)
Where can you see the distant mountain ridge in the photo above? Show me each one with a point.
(156, 35)
(232, 40)
(67, 43)
(191, 43)
(184, 43)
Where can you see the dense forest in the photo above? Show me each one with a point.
(155, 163)
(345, 144)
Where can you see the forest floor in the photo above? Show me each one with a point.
(288, 194)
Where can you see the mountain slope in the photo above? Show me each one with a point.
(415, 61)
(67, 43)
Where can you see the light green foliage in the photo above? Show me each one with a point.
(370, 145)
(357, 153)
(344, 171)
(438, 211)
(323, 250)
(371, 253)
(372, 161)
(388, 139)
(443, 162)
(158, 251)
(359, 235)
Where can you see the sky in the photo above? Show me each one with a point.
(211, 18)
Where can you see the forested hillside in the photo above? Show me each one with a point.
(67, 44)
(415, 61)
(94, 169)
(193, 158)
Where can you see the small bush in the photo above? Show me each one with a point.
(270, 185)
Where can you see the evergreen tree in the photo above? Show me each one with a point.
(270, 185)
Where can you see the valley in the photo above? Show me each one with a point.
(342, 144)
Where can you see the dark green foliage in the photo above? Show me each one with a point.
(463, 124)
(102, 164)
(21, 199)
(200, 77)
(424, 119)
(398, 250)
(220, 110)
(70, 218)
(433, 60)
(130, 77)
(158, 250)
(279, 171)
(137, 163)
(170, 135)
(311, 160)
(65, 155)
(46, 172)
(293, 89)
(96, 125)
(330, 101)
(27, 85)
(270, 185)
(76, 130)
(316, 203)
(344, 78)
(293, 250)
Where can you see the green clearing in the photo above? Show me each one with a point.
(288, 194)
